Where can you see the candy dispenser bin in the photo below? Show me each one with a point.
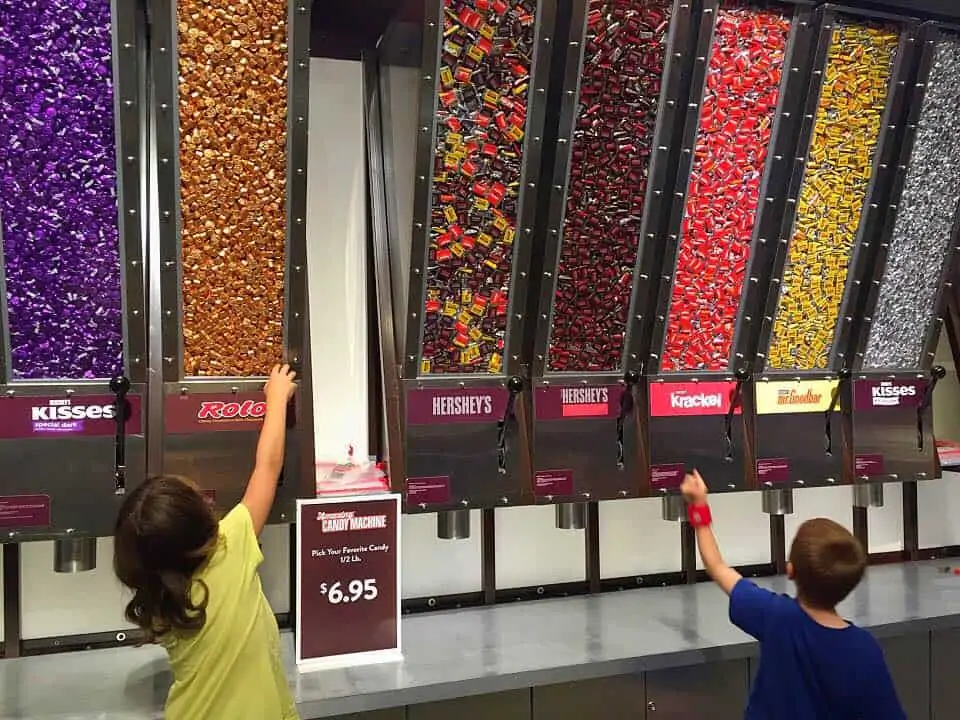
(624, 78)
(894, 376)
(837, 201)
(752, 66)
(231, 83)
(72, 320)
(462, 96)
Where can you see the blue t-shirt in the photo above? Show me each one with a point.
(808, 671)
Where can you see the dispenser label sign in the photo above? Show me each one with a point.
(456, 405)
(579, 401)
(773, 470)
(552, 483)
(25, 511)
(202, 413)
(348, 578)
(667, 477)
(428, 490)
(879, 394)
(55, 417)
(691, 399)
(868, 465)
(790, 396)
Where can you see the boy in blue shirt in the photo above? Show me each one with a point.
(814, 665)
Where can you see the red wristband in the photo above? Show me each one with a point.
(699, 515)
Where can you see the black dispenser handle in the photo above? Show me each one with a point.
(736, 400)
(842, 375)
(626, 407)
(120, 386)
(515, 386)
(937, 374)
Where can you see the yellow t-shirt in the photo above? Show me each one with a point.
(231, 668)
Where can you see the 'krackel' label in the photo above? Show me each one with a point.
(691, 399)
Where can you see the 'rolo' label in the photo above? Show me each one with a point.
(218, 410)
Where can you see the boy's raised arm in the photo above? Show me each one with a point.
(694, 491)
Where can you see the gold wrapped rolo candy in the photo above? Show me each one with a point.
(233, 127)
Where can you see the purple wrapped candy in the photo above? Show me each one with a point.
(58, 189)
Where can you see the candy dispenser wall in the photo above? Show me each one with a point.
(846, 133)
(486, 138)
(73, 364)
(894, 381)
(622, 83)
(924, 228)
(461, 102)
(231, 90)
(621, 74)
(232, 110)
(736, 127)
(59, 215)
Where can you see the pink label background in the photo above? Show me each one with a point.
(773, 470)
(868, 465)
(420, 405)
(667, 476)
(553, 482)
(25, 511)
(863, 394)
(549, 403)
(428, 490)
(16, 417)
(660, 398)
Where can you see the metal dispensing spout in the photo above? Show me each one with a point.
(120, 386)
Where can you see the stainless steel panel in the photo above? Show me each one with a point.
(926, 50)
(614, 698)
(944, 661)
(468, 455)
(221, 464)
(603, 459)
(701, 442)
(130, 100)
(864, 246)
(77, 473)
(678, 58)
(811, 445)
(512, 705)
(165, 62)
(781, 147)
(430, 45)
(908, 657)
(904, 442)
(718, 691)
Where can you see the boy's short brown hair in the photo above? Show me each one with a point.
(828, 563)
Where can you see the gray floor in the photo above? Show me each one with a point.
(488, 650)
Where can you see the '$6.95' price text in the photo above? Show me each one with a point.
(353, 591)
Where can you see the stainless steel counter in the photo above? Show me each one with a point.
(474, 652)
